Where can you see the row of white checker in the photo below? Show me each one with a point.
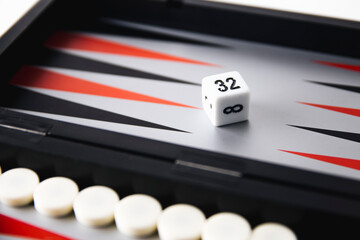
(136, 215)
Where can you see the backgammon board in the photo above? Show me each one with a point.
(126, 95)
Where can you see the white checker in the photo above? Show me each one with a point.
(94, 206)
(226, 226)
(225, 98)
(136, 215)
(181, 222)
(54, 196)
(269, 231)
(17, 186)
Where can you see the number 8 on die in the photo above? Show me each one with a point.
(225, 98)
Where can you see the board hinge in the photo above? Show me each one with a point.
(17, 123)
(208, 168)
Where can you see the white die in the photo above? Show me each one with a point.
(225, 98)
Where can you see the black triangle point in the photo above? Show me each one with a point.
(53, 58)
(339, 86)
(339, 134)
(27, 100)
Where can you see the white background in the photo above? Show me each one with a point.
(11, 11)
(341, 9)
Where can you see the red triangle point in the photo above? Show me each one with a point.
(350, 111)
(30, 76)
(339, 65)
(13, 227)
(344, 162)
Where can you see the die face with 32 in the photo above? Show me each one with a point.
(225, 98)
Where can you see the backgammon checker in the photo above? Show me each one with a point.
(17, 186)
(54, 196)
(94, 206)
(136, 215)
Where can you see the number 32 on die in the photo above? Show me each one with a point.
(223, 87)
